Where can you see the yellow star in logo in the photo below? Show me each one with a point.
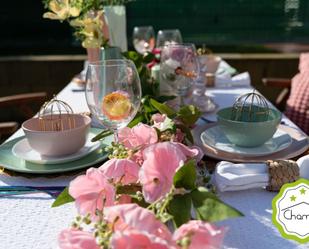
(302, 191)
(293, 198)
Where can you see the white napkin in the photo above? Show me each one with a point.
(303, 164)
(239, 80)
(232, 177)
(225, 68)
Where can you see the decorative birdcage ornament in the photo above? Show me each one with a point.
(56, 115)
(250, 107)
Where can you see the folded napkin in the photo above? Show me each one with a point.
(232, 177)
(239, 80)
(242, 176)
(225, 68)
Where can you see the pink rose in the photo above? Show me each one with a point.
(161, 161)
(131, 216)
(76, 239)
(92, 191)
(201, 234)
(191, 152)
(133, 239)
(122, 171)
(158, 118)
(138, 136)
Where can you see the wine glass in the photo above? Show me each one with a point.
(168, 36)
(178, 69)
(143, 39)
(113, 92)
(208, 67)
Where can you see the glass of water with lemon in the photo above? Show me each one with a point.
(113, 92)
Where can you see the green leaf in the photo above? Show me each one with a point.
(185, 177)
(131, 190)
(63, 198)
(164, 98)
(135, 57)
(210, 208)
(128, 189)
(189, 114)
(148, 57)
(162, 108)
(101, 135)
(138, 118)
(180, 208)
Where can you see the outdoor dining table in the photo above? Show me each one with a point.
(28, 221)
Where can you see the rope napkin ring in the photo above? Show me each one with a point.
(281, 172)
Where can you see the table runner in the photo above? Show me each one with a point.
(28, 221)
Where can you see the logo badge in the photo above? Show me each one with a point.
(291, 211)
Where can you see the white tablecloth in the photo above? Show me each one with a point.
(28, 221)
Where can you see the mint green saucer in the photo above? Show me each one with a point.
(9, 161)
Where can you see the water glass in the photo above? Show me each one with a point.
(113, 92)
(143, 39)
(168, 36)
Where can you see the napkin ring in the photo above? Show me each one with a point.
(281, 172)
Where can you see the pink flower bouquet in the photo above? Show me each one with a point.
(146, 195)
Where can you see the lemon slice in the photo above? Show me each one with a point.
(116, 106)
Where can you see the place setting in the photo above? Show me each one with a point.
(250, 131)
(55, 141)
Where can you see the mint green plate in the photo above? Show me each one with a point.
(9, 161)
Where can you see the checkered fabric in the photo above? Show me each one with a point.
(297, 108)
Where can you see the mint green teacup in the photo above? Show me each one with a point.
(248, 133)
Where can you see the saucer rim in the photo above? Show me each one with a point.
(58, 159)
(245, 154)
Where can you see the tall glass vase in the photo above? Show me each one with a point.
(115, 17)
(93, 54)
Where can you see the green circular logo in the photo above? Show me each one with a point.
(291, 211)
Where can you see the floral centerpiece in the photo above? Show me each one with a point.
(87, 19)
(150, 193)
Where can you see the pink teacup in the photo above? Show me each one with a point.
(57, 143)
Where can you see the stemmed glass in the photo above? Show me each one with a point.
(168, 36)
(113, 92)
(143, 39)
(179, 69)
(208, 67)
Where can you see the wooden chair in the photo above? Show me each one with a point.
(23, 103)
(284, 84)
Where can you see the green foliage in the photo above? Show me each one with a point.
(180, 208)
(210, 208)
(189, 114)
(102, 135)
(130, 189)
(185, 177)
(63, 198)
(149, 85)
(207, 206)
(163, 108)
